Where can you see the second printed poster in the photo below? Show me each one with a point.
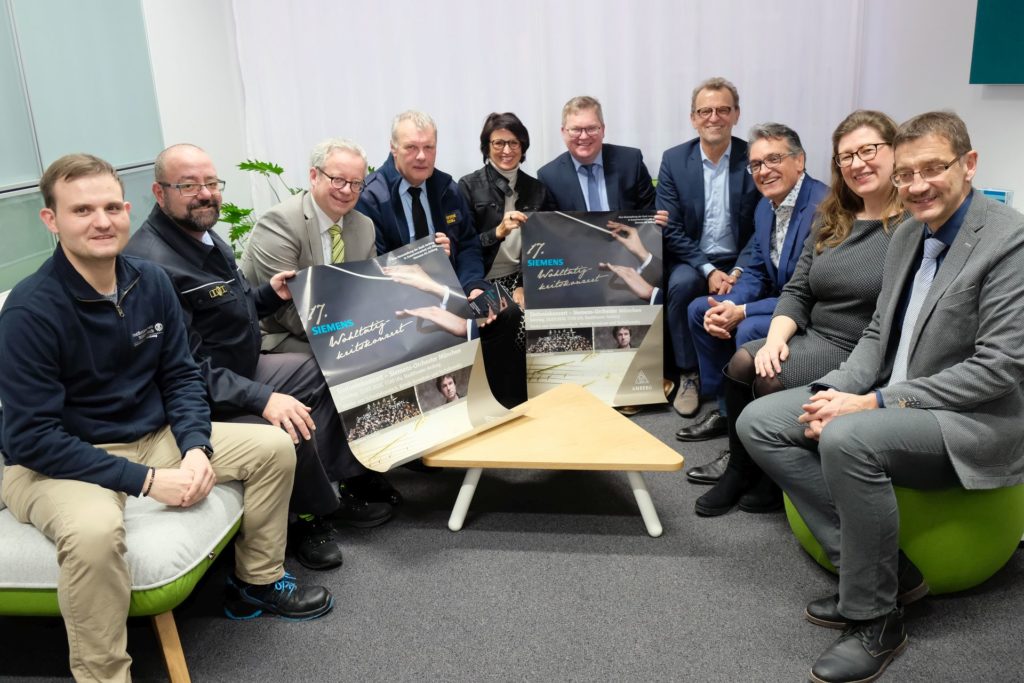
(591, 281)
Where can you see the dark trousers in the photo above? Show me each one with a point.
(684, 283)
(324, 458)
(504, 362)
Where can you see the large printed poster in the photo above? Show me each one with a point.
(395, 339)
(588, 280)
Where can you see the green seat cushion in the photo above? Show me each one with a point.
(169, 550)
(958, 538)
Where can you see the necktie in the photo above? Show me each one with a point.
(922, 283)
(337, 245)
(593, 194)
(419, 216)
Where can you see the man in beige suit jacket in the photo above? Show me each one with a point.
(310, 229)
(931, 397)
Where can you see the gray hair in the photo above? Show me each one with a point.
(421, 120)
(776, 131)
(580, 103)
(716, 83)
(323, 149)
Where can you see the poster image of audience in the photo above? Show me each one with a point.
(382, 327)
(376, 415)
(619, 337)
(443, 390)
(568, 258)
(568, 340)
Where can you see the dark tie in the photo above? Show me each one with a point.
(419, 216)
(593, 194)
(922, 283)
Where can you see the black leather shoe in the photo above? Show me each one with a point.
(374, 488)
(314, 544)
(722, 496)
(863, 651)
(355, 511)
(709, 472)
(285, 598)
(715, 424)
(912, 587)
(765, 496)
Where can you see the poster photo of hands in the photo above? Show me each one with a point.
(590, 284)
(399, 348)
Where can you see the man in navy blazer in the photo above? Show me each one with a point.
(408, 184)
(782, 221)
(710, 199)
(593, 176)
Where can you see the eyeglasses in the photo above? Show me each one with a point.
(340, 183)
(498, 145)
(771, 161)
(905, 177)
(706, 112)
(865, 153)
(192, 189)
(589, 130)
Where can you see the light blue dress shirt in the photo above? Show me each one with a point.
(716, 238)
(598, 170)
(403, 192)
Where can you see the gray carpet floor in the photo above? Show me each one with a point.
(553, 578)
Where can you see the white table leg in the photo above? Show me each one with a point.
(465, 497)
(643, 501)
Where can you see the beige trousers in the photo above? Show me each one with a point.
(86, 522)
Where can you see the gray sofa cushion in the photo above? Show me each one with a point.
(164, 543)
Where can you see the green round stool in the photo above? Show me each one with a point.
(957, 538)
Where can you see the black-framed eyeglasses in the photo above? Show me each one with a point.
(771, 161)
(905, 177)
(589, 130)
(706, 112)
(341, 183)
(192, 189)
(498, 145)
(865, 153)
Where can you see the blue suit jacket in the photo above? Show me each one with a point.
(626, 180)
(762, 282)
(681, 193)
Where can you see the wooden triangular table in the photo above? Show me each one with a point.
(567, 428)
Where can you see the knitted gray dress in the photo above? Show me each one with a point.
(831, 297)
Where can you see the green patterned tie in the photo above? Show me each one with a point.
(337, 244)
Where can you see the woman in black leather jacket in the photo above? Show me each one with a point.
(499, 194)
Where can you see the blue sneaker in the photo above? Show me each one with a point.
(284, 598)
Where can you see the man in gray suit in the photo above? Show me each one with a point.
(931, 397)
(310, 229)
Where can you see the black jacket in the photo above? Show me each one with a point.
(222, 311)
(485, 190)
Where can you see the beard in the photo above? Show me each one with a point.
(193, 221)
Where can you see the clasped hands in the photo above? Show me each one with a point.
(722, 318)
(186, 485)
(825, 406)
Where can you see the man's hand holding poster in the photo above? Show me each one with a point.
(590, 281)
(397, 343)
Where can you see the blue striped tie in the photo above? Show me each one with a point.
(922, 283)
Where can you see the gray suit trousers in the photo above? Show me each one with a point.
(843, 484)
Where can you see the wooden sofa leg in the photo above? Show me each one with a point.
(170, 644)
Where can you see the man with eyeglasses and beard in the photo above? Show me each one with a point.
(222, 313)
(930, 398)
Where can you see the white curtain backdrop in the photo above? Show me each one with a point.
(317, 68)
